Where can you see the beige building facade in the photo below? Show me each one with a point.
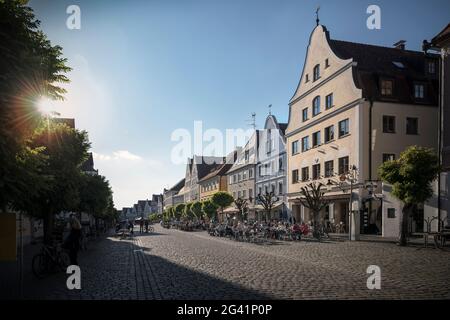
(356, 106)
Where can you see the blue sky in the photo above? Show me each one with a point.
(142, 69)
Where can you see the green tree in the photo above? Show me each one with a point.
(196, 209)
(222, 200)
(30, 67)
(411, 176)
(96, 197)
(179, 209)
(187, 211)
(171, 213)
(65, 150)
(209, 209)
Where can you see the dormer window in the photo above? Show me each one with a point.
(317, 72)
(419, 91)
(387, 87)
(431, 67)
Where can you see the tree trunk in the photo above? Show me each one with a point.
(316, 218)
(49, 219)
(403, 237)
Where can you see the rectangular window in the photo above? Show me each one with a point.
(412, 126)
(329, 101)
(419, 91)
(280, 188)
(327, 63)
(316, 106)
(305, 144)
(391, 213)
(239, 194)
(388, 124)
(234, 178)
(250, 193)
(317, 72)
(329, 134)
(307, 78)
(305, 114)
(295, 147)
(305, 174)
(244, 194)
(316, 139)
(294, 176)
(250, 173)
(239, 177)
(431, 67)
(387, 87)
(247, 155)
(343, 128)
(329, 168)
(316, 171)
(272, 188)
(280, 164)
(343, 165)
(244, 175)
(388, 157)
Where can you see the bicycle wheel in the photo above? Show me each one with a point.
(40, 265)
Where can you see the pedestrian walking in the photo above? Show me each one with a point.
(141, 226)
(73, 240)
(131, 227)
(146, 226)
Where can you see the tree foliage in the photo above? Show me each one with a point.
(30, 67)
(187, 213)
(222, 199)
(65, 149)
(179, 210)
(411, 176)
(196, 209)
(96, 196)
(209, 209)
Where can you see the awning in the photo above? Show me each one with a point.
(229, 210)
(276, 206)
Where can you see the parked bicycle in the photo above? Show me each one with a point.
(51, 259)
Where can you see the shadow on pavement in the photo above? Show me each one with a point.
(119, 269)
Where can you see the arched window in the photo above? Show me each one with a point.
(316, 106)
(316, 72)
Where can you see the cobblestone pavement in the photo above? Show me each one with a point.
(171, 264)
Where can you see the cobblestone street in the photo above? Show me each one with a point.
(171, 264)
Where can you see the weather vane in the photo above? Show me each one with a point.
(317, 15)
(270, 109)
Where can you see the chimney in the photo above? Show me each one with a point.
(400, 45)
